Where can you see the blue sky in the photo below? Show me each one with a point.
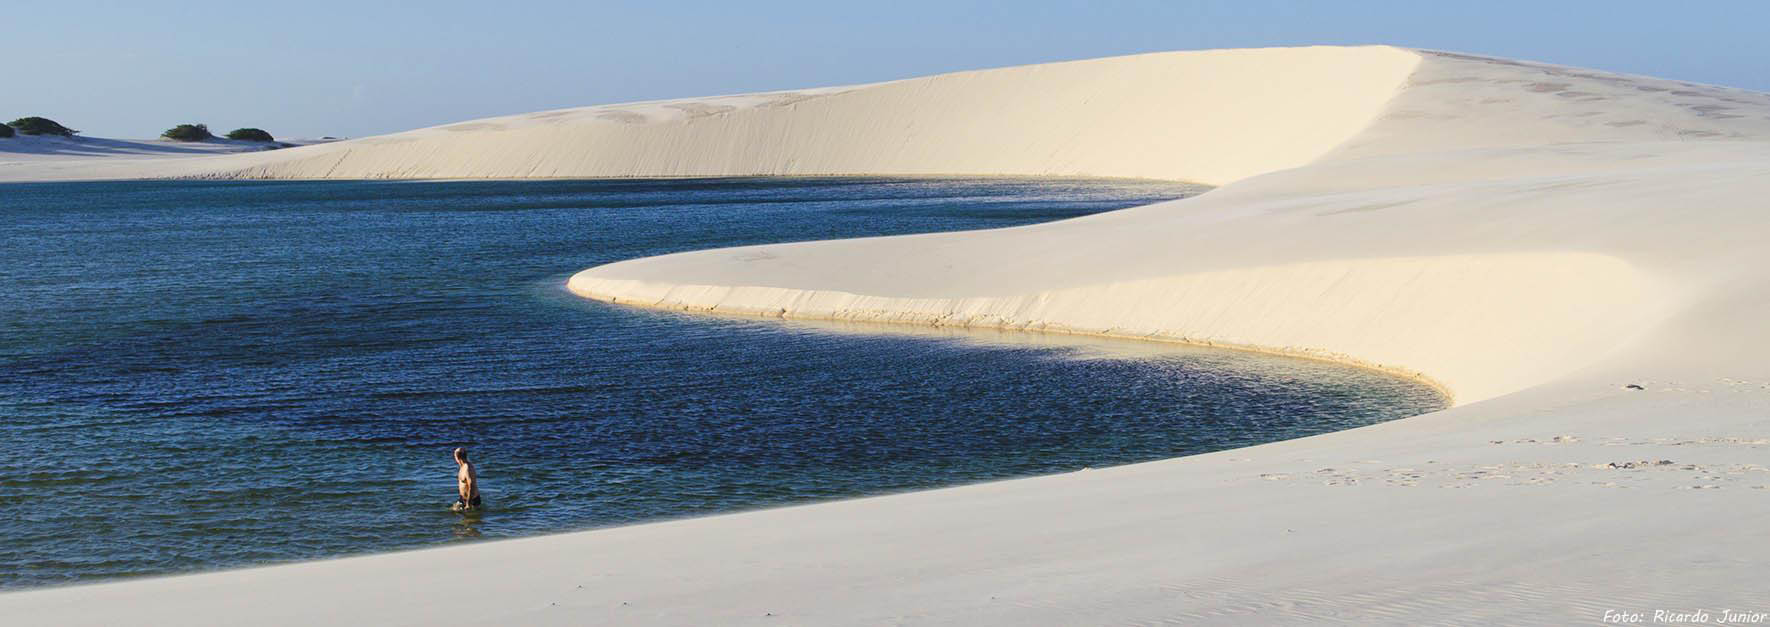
(305, 69)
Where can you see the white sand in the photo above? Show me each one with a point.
(54, 158)
(1532, 238)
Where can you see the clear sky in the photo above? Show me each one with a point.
(306, 69)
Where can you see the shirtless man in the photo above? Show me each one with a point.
(468, 481)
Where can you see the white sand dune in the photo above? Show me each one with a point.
(1535, 239)
(52, 158)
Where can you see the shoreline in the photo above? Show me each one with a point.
(885, 320)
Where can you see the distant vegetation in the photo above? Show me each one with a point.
(6, 131)
(188, 133)
(250, 134)
(41, 126)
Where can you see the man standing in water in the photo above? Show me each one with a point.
(467, 479)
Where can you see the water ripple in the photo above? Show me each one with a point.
(197, 375)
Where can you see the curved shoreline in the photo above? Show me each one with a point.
(884, 318)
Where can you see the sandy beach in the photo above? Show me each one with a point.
(1574, 256)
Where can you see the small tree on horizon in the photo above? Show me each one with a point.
(34, 125)
(6, 131)
(250, 134)
(188, 133)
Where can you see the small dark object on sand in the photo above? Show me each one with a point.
(1634, 387)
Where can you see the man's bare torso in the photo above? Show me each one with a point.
(468, 480)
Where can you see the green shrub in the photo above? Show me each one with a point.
(188, 133)
(250, 134)
(41, 126)
(6, 131)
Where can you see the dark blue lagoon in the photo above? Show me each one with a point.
(198, 375)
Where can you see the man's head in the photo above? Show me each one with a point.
(460, 455)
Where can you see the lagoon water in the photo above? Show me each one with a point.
(201, 375)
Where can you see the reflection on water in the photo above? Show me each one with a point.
(467, 524)
(1074, 345)
(1082, 346)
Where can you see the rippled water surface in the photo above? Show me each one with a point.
(198, 375)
